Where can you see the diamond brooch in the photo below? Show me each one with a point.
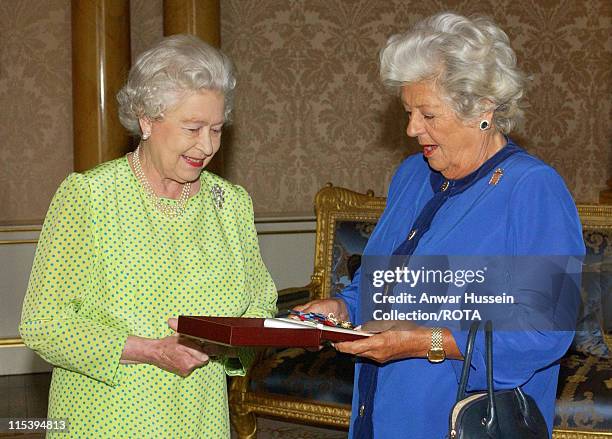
(218, 195)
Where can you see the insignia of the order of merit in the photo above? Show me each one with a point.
(329, 320)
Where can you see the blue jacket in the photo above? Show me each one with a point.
(529, 212)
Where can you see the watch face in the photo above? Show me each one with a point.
(436, 355)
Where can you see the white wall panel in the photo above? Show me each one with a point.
(17, 247)
(287, 248)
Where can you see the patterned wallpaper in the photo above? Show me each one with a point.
(36, 106)
(309, 106)
(146, 24)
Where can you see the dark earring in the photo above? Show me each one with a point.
(484, 125)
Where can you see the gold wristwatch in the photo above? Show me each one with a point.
(436, 352)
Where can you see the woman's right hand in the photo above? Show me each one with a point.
(325, 307)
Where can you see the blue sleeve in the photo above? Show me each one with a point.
(542, 220)
(350, 295)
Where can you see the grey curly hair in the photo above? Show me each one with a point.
(470, 59)
(162, 75)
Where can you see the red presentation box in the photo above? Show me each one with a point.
(242, 331)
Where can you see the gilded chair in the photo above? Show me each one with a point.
(295, 384)
(584, 394)
(316, 388)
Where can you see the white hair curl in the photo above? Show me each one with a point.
(470, 59)
(162, 75)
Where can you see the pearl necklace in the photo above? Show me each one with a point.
(169, 210)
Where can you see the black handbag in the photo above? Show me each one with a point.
(502, 414)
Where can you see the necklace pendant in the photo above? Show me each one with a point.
(218, 195)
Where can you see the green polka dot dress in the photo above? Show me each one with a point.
(108, 265)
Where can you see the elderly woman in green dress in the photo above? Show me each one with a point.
(133, 243)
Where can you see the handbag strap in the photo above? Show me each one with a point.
(491, 409)
(469, 350)
(491, 421)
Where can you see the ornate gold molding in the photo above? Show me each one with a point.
(575, 434)
(304, 412)
(333, 204)
(330, 415)
(595, 215)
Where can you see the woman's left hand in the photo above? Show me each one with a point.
(211, 349)
(396, 341)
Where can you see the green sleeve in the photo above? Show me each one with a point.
(60, 281)
(260, 286)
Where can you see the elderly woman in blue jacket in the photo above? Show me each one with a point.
(471, 191)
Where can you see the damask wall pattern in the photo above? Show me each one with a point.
(309, 106)
(146, 24)
(36, 106)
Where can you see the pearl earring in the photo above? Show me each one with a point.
(146, 135)
(484, 125)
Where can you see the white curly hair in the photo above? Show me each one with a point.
(162, 75)
(470, 60)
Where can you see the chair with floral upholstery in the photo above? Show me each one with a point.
(316, 387)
